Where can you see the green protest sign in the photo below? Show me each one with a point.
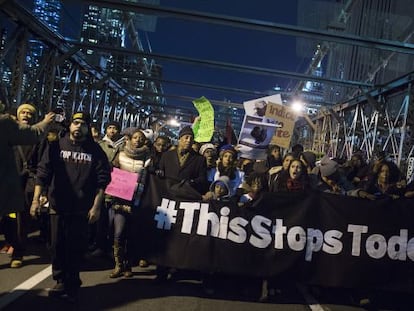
(205, 129)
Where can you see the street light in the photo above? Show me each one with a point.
(297, 106)
(170, 122)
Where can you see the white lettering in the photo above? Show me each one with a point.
(205, 219)
(376, 246)
(279, 230)
(224, 222)
(332, 242)
(189, 208)
(397, 246)
(237, 232)
(314, 243)
(264, 238)
(356, 231)
(296, 238)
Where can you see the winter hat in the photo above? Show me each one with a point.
(113, 123)
(26, 106)
(206, 146)
(149, 134)
(227, 148)
(186, 130)
(129, 131)
(82, 116)
(310, 158)
(327, 166)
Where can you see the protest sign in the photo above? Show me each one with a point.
(123, 184)
(204, 131)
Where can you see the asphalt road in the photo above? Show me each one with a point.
(24, 288)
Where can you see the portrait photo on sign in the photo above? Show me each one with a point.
(258, 109)
(256, 133)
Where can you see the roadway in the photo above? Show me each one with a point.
(25, 287)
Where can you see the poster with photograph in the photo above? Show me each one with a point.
(257, 129)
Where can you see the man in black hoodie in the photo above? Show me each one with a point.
(76, 171)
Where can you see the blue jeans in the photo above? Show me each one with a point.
(119, 221)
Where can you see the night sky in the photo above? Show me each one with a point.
(227, 44)
(178, 37)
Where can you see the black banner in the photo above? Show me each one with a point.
(318, 238)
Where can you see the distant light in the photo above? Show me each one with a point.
(173, 122)
(297, 106)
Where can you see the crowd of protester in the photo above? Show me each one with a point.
(61, 189)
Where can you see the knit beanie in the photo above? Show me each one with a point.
(26, 106)
(310, 158)
(227, 148)
(129, 131)
(328, 166)
(206, 146)
(113, 123)
(186, 130)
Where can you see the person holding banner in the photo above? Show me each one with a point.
(256, 183)
(183, 163)
(384, 181)
(276, 171)
(227, 166)
(131, 159)
(294, 179)
(76, 171)
(161, 144)
(182, 166)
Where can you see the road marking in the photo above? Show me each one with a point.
(22, 288)
(310, 300)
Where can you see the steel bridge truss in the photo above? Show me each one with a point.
(381, 119)
(63, 78)
(381, 123)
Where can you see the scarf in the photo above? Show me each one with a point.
(294, 185)
(136, 153)
(182, 156)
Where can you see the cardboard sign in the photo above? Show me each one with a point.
(286, 119)
(122, 185)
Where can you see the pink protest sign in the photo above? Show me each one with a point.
(122, 184)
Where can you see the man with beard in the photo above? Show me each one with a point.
(77, 172)
(17, 226)
(11, 191)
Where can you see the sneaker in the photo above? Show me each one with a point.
(16, 263)
(57, 291)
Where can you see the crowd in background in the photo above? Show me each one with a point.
(214, 171)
